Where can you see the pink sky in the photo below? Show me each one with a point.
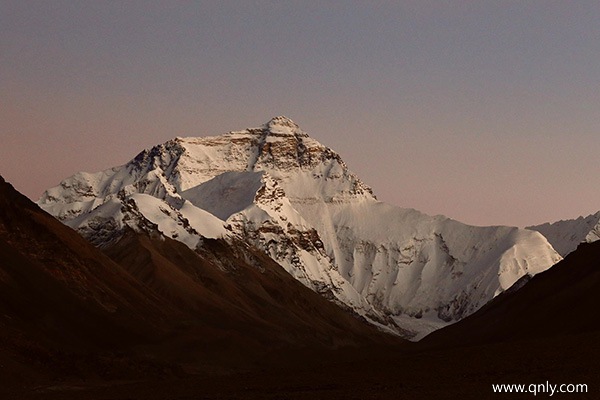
(485, 112)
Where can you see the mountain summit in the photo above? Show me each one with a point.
(283, 126)
(277, 189)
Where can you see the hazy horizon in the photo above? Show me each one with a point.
(485, 112)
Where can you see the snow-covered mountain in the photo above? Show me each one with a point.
(566, 235)
(277, 189)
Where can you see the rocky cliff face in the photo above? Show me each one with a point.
(277, 189)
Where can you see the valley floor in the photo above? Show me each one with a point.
(459, 373)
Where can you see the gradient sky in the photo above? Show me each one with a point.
(485, 111)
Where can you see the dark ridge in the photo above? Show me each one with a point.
(68, 311)
(241, 295)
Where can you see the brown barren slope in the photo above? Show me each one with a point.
(241, 306)
(68, 311)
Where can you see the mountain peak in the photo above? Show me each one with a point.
(282, 120)
(278, 190)
(283, 126)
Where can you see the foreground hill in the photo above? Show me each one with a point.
(68, 311)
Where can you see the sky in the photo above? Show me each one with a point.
(485, 111)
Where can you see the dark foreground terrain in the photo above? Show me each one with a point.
(464, 373)
(150, 319)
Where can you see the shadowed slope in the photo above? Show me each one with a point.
(67, 309)
(54, 281)
(243, 303)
